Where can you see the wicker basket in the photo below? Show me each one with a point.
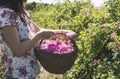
(54, 62)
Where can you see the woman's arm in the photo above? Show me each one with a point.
(11, 36)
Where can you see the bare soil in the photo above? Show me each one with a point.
(46, 75)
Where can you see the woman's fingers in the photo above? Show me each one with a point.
(69, 32)
(58, 35)
(46, 34)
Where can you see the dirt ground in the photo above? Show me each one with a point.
(46, 75)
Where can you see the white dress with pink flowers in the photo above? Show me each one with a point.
(24, 67)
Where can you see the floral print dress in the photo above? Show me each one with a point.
(24, 67)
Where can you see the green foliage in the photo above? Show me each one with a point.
(92, 36)
(95, 44)
(114, 10)
(1, 73)
(68, 15)
(30, 6)
(98, 56)
(93, 29)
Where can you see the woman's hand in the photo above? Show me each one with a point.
(64, 33)
(45, 34)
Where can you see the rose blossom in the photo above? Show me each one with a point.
(116, 47)
(112, 35)
(79, 78)
(87, 10)
(95, 62)
(116, 24)
(104, 26)
(57, 46)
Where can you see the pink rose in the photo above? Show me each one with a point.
(116, 24)
(116, 47)
(112, 35)
(87, 11)
(95, 62)
(104, 26)
(57, 46)
(79, 78)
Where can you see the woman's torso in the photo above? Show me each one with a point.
(24, 67)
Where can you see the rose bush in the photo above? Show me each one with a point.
(99, 53)
(98, 36)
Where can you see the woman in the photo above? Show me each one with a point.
(18, 37)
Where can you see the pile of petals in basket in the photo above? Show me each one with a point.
(57, 46)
